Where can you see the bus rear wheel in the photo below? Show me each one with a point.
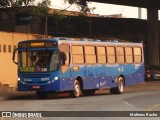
(41, 95)
(120, 88)
(77, 90)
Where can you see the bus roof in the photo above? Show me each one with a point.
(98, 42)
(84, 41)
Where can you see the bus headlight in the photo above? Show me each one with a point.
(19, 79)
(55, 78)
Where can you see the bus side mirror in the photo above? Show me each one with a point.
(14, 54)
(63, 58)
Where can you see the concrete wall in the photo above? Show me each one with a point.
(8, 70)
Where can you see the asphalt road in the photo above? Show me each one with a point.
(141, 97)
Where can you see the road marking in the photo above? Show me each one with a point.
(152, 108)
(129, 104)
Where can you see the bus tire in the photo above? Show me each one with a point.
(120, 88)
(77, 90)
(89, 92)
(41, 95)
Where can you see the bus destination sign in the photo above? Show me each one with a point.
(41, 44)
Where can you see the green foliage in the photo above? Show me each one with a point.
(83, 4)
(83, 18)
(15, 3)
(41, 9)
(59, 17)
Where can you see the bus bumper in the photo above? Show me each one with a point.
(34, 87)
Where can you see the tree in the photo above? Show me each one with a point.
(14, 6)
(41, 10)
(83, 4)
(15, 3)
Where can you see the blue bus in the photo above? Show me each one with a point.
(79, 67)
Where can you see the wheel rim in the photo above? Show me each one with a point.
(121, 87)
(77, 89)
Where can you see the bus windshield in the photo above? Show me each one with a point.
(38, 61)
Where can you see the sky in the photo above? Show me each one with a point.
(103, 9)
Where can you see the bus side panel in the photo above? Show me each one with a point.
(137, 75)
(66, 81)
(103, 80)
(101, 71)
(81, 72)
(133, 74)
(111, 73)
(92, 81)
(95, 77)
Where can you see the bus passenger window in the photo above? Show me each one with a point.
(111, 55)
(129, 55)
(90, 56)
(77, 54)
(120, 55)
(137, 55)
(65, 58)
(101, 55)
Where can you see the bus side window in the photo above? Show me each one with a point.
(77, 54)
(137, 55)
(120, 55)
(111, 55)
(101, 55)
(90, 55)
(65, 57)
(129, 55)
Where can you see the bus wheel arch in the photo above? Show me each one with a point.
(80, 81)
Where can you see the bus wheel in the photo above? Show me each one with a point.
(77, 89)
(89, 92)
(41, 95)
(120, 88)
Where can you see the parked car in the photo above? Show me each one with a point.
(152, 72)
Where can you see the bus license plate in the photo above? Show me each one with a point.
(36, 87)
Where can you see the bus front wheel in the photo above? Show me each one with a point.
(77, 89)
(120, 87)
